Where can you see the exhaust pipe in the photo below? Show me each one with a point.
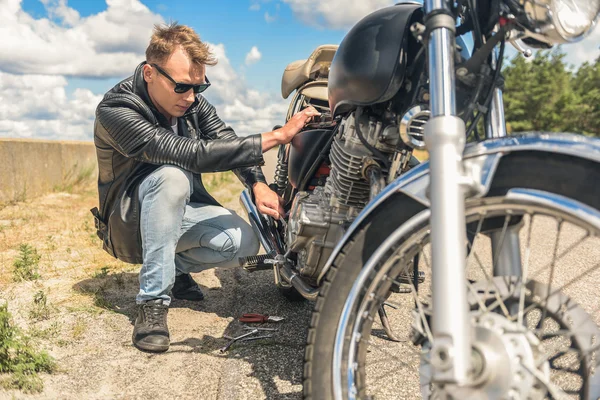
(308, 292)
(270, 244)
(266, 238)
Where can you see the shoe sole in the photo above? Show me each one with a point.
(152, 348)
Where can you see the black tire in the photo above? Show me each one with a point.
(565, 175)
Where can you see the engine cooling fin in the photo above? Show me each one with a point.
(347, 182)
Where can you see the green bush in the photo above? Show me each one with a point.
(19, 359)
(26, 264)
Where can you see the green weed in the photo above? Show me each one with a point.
(26, 264)
(40, 310)
(102, 273)
(19, 359)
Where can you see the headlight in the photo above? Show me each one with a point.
(573, 19)
(560, 21)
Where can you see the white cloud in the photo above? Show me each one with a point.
(255, 7)
(337, 14)
(37, 106)
(253, 56)
(58, 9)
(106, 44)
(42, 52)
(246, 110)
(270, 18)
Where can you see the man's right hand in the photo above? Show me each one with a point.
(286, 133)
(296, 123)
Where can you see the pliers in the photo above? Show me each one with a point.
(260, 318)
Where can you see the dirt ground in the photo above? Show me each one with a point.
(87, 320)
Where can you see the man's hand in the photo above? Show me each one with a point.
(296, 123)
(286, 133)
(267, 201)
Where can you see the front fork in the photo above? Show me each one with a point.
(445, 141)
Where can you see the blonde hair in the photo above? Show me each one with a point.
(166, 38)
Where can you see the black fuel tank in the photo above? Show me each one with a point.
(304, 150)
(370, 63)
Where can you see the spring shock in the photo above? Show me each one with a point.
(281, 171)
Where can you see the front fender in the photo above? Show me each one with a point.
(481, 160)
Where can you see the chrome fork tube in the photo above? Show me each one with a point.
(445, 141)
(495, 123)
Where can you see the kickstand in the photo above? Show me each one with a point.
(386, 323)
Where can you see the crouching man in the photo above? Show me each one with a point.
(154, 135)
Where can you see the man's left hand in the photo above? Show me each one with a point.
(267, 201)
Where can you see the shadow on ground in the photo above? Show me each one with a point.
(198, 327)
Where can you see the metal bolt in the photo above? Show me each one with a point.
(462, 71)
(441, 357)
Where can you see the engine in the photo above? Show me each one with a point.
(319, 218)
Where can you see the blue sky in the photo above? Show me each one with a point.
(58, 57)
(233, 23)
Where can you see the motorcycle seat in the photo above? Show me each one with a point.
(299, 72)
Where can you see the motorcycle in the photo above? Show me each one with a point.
(485, 252)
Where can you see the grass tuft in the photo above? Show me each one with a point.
(26, 264)
(19, 359)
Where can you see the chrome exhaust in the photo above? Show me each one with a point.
(270, 244)
(266, 238)
(308, 292)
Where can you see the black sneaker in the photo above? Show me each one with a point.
(185, 288)
(150, 332)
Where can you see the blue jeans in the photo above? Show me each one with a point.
(179, 237)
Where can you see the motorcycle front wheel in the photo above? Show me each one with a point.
(551, 309)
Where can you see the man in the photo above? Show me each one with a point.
(154, 135)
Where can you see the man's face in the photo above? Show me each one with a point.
(161, 89)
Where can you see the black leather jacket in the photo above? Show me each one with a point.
(133, 139)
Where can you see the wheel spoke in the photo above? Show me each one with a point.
(553, 267)
(420, 308)
(501, 243)
(566, 285)
(576, 243)
(524, 272)
(499, 302)
(555, 391)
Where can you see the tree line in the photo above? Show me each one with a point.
(545, 94)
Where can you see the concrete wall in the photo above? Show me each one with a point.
(29, 168)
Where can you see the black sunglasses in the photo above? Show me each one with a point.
(184, 87)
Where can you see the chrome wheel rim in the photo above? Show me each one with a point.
(385, 265)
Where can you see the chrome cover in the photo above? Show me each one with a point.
(412, 126)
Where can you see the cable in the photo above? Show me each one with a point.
(475, 18)
(490, 95)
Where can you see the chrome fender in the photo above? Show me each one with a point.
(480, 161)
